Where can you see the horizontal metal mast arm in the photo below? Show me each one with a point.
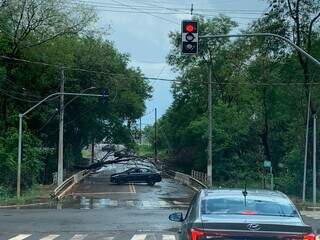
(58, 94)
(303, 52)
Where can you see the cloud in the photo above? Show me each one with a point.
(145, 37)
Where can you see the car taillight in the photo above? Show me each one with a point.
(310, 236)
(196, 234)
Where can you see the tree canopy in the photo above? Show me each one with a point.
(260, 99)
(39, 39)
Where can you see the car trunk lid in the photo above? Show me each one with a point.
(246, 227)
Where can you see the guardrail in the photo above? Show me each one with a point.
(186, 179)
(201, 176)
(60, 191)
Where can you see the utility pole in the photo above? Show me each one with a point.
(92, 149)
(19, 157)
(209, 163)
(306, 153)
(155, 136)
(140, 135)
(61, 118)
(314, 158)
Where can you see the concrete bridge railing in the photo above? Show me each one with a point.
(60, 191)
(186, 179)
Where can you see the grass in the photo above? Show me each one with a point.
(36, 194)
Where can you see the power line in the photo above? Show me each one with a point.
(172, 12)
(165, 19)
(237, 84)
(4, 92)
(155, 78)
(59, 66)
(48, 121)
(152, 6)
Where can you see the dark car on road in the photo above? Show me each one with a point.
(235, 214)
(137, 175)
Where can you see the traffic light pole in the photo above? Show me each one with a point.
(61, 120)
(209, 163)
(314, 177)
(306, 152)
(21, 129)
(304, 53)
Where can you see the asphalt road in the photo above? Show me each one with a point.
(97, 209)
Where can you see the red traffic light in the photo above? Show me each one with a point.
(189, 37)
(189, 28)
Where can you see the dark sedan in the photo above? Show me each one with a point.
(137, 175)
(234, 214)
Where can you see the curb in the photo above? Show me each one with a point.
(24, 205)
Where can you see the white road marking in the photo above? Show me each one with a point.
(79, 237)
(133, 188)
(50, 237)
(130, 203)
(163, 203)
(20, 237)
(311, 214)
(139, 237)
(113, 203)
(168, 237)
(108, 238)
(146, 204)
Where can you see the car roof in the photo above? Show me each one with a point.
(251, 193)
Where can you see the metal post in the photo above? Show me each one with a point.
(306, 153)
(140, 135)
(61, 118)
(155, 136)
(271, 179)
(19, 158)
(314, 159)
(92, 150)
(304, 53)
(209, 163)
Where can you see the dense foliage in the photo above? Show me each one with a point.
(260, 95)
(59, 33)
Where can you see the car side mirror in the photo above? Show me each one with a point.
(176, 217)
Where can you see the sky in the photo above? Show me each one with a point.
(141, 27)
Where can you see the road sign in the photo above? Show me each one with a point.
(189, 36)
(267, 164)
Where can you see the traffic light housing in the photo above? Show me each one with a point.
(189, 35)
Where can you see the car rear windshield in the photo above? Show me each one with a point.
(250, 206)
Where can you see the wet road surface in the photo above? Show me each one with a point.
(96, 191)
(97, 209)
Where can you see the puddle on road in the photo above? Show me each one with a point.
(87, 203)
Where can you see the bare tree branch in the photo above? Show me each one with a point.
(290, 10)
(313, 21)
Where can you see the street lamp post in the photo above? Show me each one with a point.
(304, 53)
(21, 130)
